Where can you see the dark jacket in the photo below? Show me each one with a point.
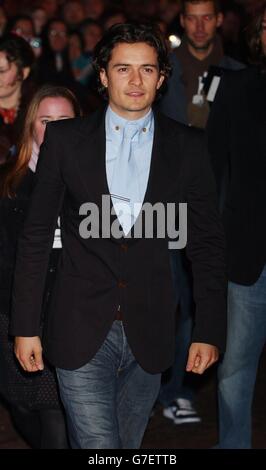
(174, 102)
(236, 134)
(12, 215)
(97, 275)
(36, 391)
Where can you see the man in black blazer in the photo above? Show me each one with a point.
(236, 134)
(110, 327)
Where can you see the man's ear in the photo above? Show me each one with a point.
(26, 72)
(220, 18)
(103, 78)
(160, 82)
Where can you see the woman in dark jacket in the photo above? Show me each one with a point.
(33, 400)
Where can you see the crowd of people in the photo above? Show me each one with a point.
(159, 101)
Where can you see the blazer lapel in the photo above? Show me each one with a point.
(91, 157)
(256, 97)
(158, 182)
(161, 173)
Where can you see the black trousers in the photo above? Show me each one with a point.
(42, 429)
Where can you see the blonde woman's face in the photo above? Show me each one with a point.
(50, 109)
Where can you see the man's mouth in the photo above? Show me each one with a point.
(135, 94)
(200, 37)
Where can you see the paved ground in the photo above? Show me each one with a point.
(162, 434)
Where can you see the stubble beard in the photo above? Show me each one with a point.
(203, 47)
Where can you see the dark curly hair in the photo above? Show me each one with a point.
(130, 33)
(257, 55)
(18, 51)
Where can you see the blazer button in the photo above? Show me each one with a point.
(124, 247)
(121, 284)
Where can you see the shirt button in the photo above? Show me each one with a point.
(144, 129)
(117, 128)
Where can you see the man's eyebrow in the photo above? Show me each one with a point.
(142, 65)
(201, 14)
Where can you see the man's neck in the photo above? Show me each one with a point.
(130, 115)
(200, 54)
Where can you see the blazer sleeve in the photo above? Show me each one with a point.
(35, 242)
(218, 136)
(206, 251)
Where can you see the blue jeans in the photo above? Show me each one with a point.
(108, 401)
(175, 387)
(237, 372)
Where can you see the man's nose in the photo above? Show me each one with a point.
(200, 25)
(136, 77)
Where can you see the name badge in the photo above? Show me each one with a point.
(213, 88)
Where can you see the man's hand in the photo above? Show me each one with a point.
(200, 357)
(29, 353)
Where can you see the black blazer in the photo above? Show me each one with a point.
(97, 275)
(236, 134)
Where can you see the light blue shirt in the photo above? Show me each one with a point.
(141, 149)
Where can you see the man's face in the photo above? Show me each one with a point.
(93, 8)
(200, 23)
(132, 78)
(24, 28)
(73, 12)
(9, 77)
(58, 37)
(92, 35)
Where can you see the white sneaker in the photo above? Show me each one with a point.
(181, 411)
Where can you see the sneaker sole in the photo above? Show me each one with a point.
(187, 420)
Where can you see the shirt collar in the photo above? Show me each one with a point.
(115, 124)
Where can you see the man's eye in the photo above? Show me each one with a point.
(122, 69)
(208, 17)
(148, 69)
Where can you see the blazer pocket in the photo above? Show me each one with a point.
(66, 310)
